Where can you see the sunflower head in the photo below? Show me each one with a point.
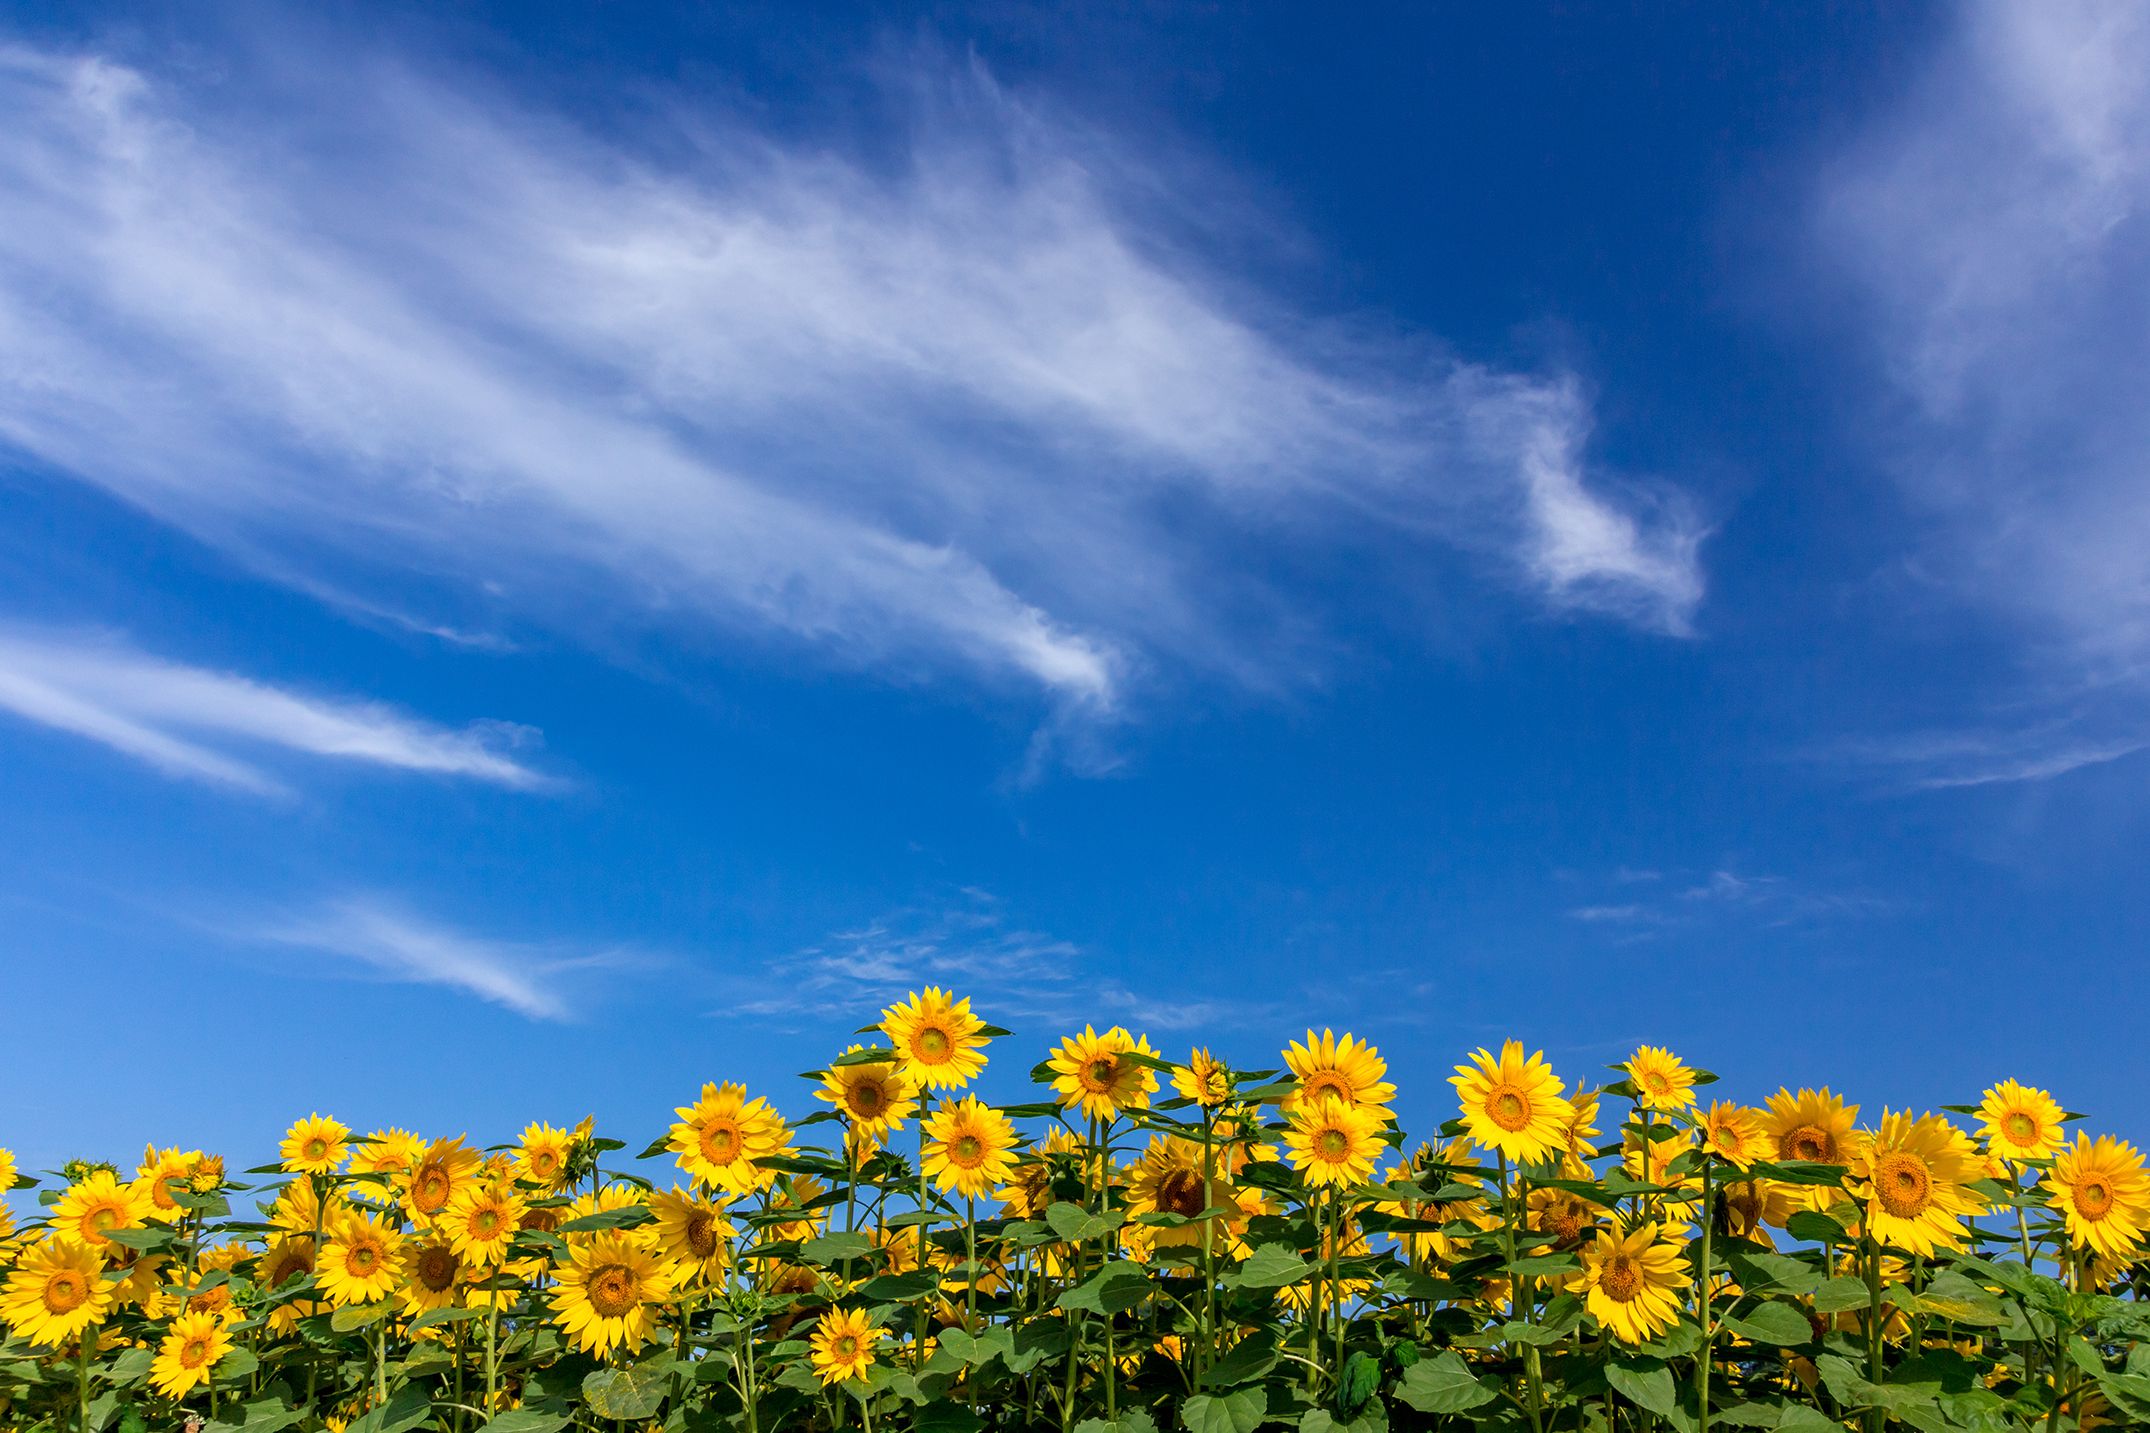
(1733, 1133)
(2021, 1124)
(1100, 1074)
(1512, 1104)
(1660, 1080)
(316, 1145)
(188, 1356)
(939, 1043)
(543, 1154)
(56, 1290)
(1204, 1079)
(1632, 1281)
(1913, 1177)
(970, 1147)
(873, 1096)
(722, 1138)
(603, 1296)
(2103, 1194)
(1329, 1066)
(1331, 1142)
(842, 1347)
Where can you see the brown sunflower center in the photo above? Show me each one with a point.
(1332, 1144)
(362, 1260)
(2093, 1196)
(1903, 1184)
(844, 1346)
(932, 1045)
(1564, 1222)
(437, 1268)
(430, 1190)
(967, 1150)
(316, 1148)
(2020, 1127)
(485, 1222)
(1656, 1082)
(210, 1302)
(1509, 1108)
(1100, 1073)
(1326, 1083)
(1180, 1192)
(701, 1234)
(65, 1292)
(1808, 1142)
(194, 1353)
(1620, 1278)
(614, 1291)
(544, 1164)
(720, 1142)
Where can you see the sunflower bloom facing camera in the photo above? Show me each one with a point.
(1513, 1104)
(481, 1220)
(358, 1263)
(2021, 1124)
(722, 1138)
(315, 1145)
(1733, 1133)
(2103, 1195)
(56, 1290)
(1632, 1281)
(542, 1155)
(970, 1147)
(939, 1044)
(1913, 1178)
(1660, 1080)
(1092, 1072)
(99, 1203)
(188, 1356)
(873, 1097)
(1329, 1066)
(842, 1345)
(1332, 1143)
(605, 1293)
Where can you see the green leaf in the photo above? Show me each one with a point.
(1272, 1266)
(624, 1218)
(1838, 1295)
(358, 1316)
(1543, 1264)
(1780, 1325)
(529, 1420)
(1249, 1359)
(407, 1407)
(633, 1392)
(1240, 1411)
(147, 1240)
(131, 1366)
(1076, 1225)
(1371, 1419)
(1772, 1273)
(1131, 1420)
(830, 1250)
(1815, 1227)
(945, 1417)
(1801, 1418)
(1113, 1289)
(1645, 1382)
(262, 1415)
(1361, 1376)
(1443, 1383)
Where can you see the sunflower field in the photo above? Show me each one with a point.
(1148, 1245)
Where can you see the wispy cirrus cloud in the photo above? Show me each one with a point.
(1994, 226)
(378, 938)
(1721, 896)
(976, 409)
(206, 725)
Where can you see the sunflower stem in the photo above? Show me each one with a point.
(1702, 1306)
(82, 1377)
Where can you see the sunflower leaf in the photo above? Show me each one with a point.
(1645, 1382)
(1076, 1225)
(1272, 1266)
(1443, 1383)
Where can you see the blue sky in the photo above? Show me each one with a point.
(555, 554)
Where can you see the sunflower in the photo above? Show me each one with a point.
(1170, 1179)
(2102, 1192)
(1659, 1079)
(1092, 1072)
(387, 1151)
(2020, 1123)
(8, 1176)
(1748, 1204)
(603, 1296)
(189, 1354)
(969, 1147)
(1582, 1127)
(1734, 1134)
(1818, 1128)
(1028, 1192)
(1334, 1143)
(358, 1261)
(543, 1156)
(843, 1345)
(56, 1291)
(480, 1221)
(1632, 1282)
(796, 1192)
(1564, 1215)
(1204, 1079)
(721, 1138)
(1513, 1104)
(1329, 1067)
(1655, 1167)
(939, 1044)
(440, 1172)
(286, 1261)
(163, 1174)
(98, 1203)
(874, 1098)
(297, 1209)
(1913, 1178)
(315, 1145)
(693, 1232)
(431, 1271)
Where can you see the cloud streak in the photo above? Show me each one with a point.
(526, 979)
(194, 723)
(975, 409)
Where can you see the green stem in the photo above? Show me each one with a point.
(1702, 1305)
(82, 1377)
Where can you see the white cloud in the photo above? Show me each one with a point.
(2000, 756)
(527, 979)
(976, 408)
(1996, 226)
(186, 721)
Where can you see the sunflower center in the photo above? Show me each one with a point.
(614, 1291)
(701, 1234)
(1564, 1222)
(720, 1143)
(2093, 1196)
(844, 1346)
(1101, 1072)
(102, 1218)
(544, 1164)
(967, 1150)
(65, 1292)
(429, 1191)
(1655, 1082)
(1509, 1107)
(1727, 1138)
(1180, 1192)
(1620, 1278)
(485, 1223)
(289, 1265)
(363, 1260)
(1903, 1185)
(436, 1268)
(1810, 1143)
(194, 1353)
(866, 1098)
(210, 1302)
(1332, 1144)
(316, 1148)
(2020, 1127)
(1325, 1083)
(932, 1045)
